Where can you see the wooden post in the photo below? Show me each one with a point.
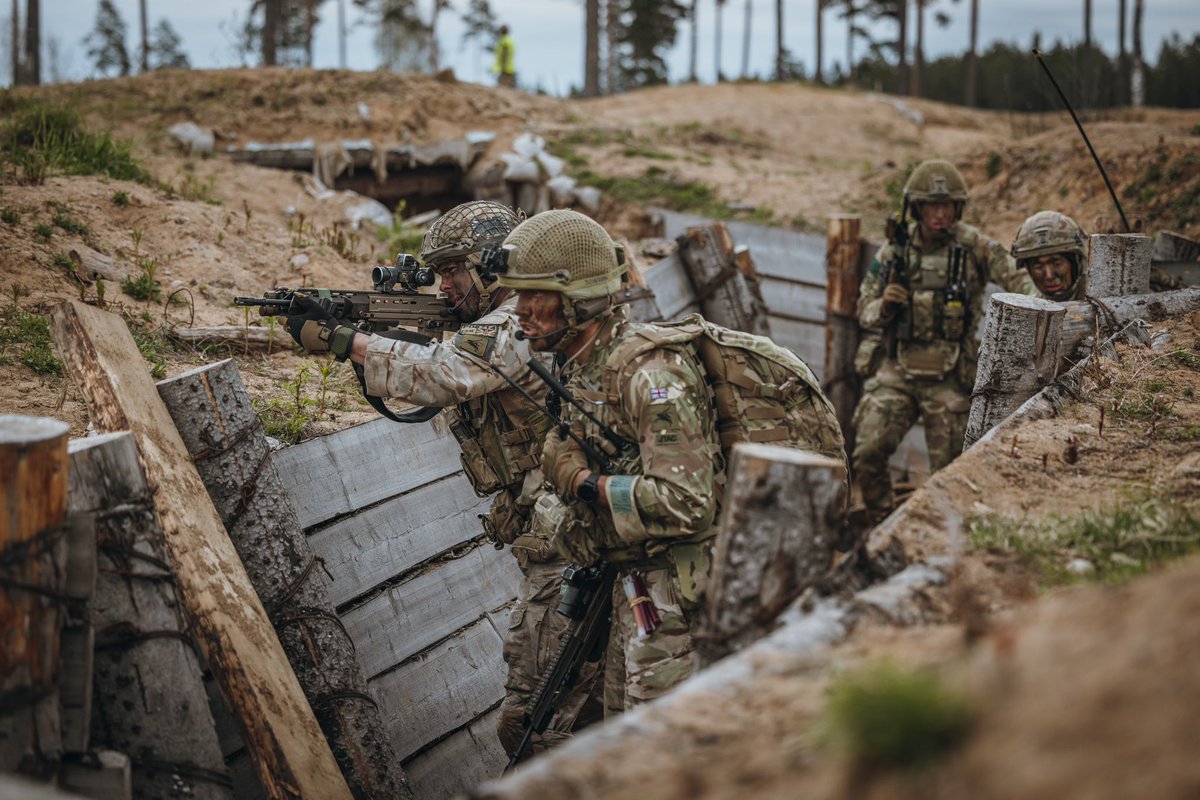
(1083, 321)
(223, 434)
(1118, 264)
(726, 284)
(783, 509)
(1017, 357)
(227, 620)
(149, 698)
(843, 254)
(33, 473)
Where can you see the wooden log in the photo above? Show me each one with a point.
(233, 335)
(727, 291)
(226, 440)
(783, 508)
(1170, 247)
(843, 256)
(1118, 264)
(90, 265)
(227, 620)
(148, 693)
(1082, 324)
(1017, 357)
(104, 775)
(75, 687)
(33, 475)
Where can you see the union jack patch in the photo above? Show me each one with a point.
(658, 393)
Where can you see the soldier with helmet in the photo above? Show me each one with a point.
(1052, 248)
(923, 299)
(500, 433)
(652, 514)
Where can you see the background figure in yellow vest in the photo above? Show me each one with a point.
(505, 68)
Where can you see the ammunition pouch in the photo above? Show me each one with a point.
(691, 568)
(869, 355)
(484, 479)
(930, 361)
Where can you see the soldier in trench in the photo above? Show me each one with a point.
(1052, 248)
(500, 434)
(920, 303)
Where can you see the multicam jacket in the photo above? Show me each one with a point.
(934, 337)
(499, 431)
(663, 406)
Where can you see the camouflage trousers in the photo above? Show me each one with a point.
(531, 641)
(890, 405)
(638, 669)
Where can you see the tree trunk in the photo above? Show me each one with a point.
(1122, 54)
(15, 42)
(782, 512)
(973, 58)
(717, 45)
(843, 255)
(33, 43)
(612, 30)
(918, 51)
(145, 60)
(902, 47)
(591, 48)
(33, 477)
(341, 34)
(850, 14)
(226, 617)
(1118, 264)
(223, 434)
(746, 40)
(1137, 83)
(149, 698)
(270, 32)
(817, 73)
(727, 295)
(778, 40)
(310, 27)
(1018, 356)
(434, 56)
(1087, 23)
(694, 38)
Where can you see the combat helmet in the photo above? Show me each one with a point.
(938, 181)
(564, 251)
(1050, 232)
(462, 232)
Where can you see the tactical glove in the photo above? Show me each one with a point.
(894, 296)
(312, 327)
(562, 461)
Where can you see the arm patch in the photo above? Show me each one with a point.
(476, 339)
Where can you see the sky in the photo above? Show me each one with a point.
(549, 34)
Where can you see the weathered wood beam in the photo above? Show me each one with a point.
(1118, 264)
(1018, 355)
(33, 476)
(149, 698)
(228, 621)
(783, 508)
(226, 440)
(234, 336)
(725, 283)
(1081, 321)
(843, 255)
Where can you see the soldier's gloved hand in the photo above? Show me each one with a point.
(312, 327)
(894, 296)
(562, 461)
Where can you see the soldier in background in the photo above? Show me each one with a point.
(500, 434)
(923, 299)
(505, 66)
(1052, 248)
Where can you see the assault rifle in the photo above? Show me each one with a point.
(396, 301)
(586, 599)
(895, 269)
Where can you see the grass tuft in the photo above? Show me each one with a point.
(25, 338)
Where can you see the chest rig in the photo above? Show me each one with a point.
(939, 303)
(496, 453)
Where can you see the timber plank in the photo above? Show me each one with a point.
(228, 620)
(443, 689)
(796, 301)
(671, 286)
(805, 339)
(460, 762)
(345, 471)
(368, 548)
(410, 617)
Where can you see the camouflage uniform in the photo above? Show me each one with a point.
(932, 372)
(662, 506)
(1048, 233)
(500, 434)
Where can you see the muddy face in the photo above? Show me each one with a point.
(541, 317)
(1051, 273)
(459, 290)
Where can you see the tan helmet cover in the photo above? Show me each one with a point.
(1048, 232)
(935, 180)
(562, 251)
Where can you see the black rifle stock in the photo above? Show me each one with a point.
(895, 270)
(587, 601)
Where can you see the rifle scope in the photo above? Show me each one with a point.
(408, 272)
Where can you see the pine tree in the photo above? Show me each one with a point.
(165, 48)
(648, 27)
(106, 42)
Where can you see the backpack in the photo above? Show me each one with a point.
(762, 392)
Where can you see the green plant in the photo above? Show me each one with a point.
(120, 199)
(885, 716)
(1186, 359)
(144, 286)
(10, 216)
(1118, 542)
(39, 138)
(193, 188)
(326, 370)
(994, 162)
(25, 337)
(401, 237)
(70, 225)
(44, 231)
(63, 261)
(153, 346)
(285, 419)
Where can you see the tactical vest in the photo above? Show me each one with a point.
(496, 453)
(761, 392)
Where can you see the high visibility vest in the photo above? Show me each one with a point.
(505, 56)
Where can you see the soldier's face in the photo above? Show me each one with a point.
(540, 315)
(459, 290)
(936, 217)
(1051, 273)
